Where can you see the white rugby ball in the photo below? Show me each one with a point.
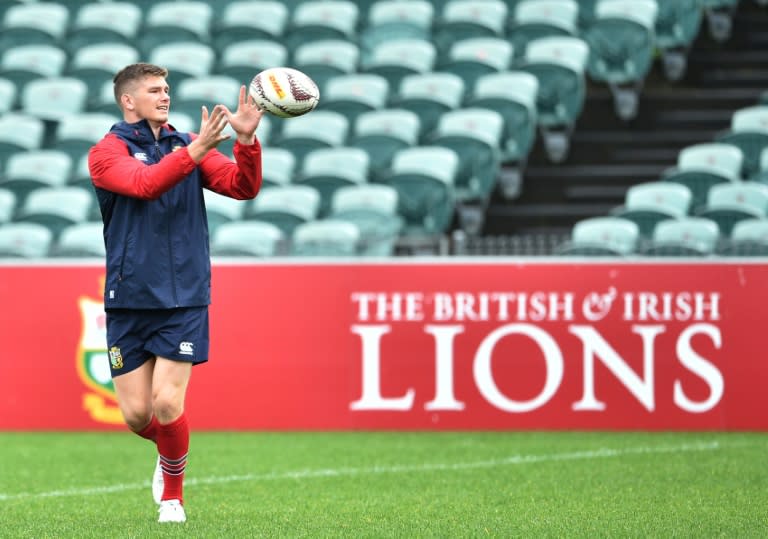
(284, 92)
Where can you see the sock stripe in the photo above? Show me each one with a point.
(171, 462)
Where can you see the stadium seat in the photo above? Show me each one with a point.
(749, 133)
(700, 166)
(24, 63)
(54, 98)
(25, 240)
(278, 166)
(466, 19)
(429, 96)
(399, 58)
(244, 21)
(687, 236)
(105, 22)
(175, 21)
(8, 94)
(602, 236)
(8, 205)
(729, 203)
(424, 178)
(748, 238)
(677, 25)
(373, 209)
(475, 135)
(285, 207)
(325, 237)
(321, 129)
(81, 177)
(34, 23)
(193, 93)
(559, 64)
(762, 174)
(56, 207)
(183, 59)
(513, 95)
(242, 60)
(647, 204)
(535, 19)
(27, 171)
(325, 59)
(222, 209)
(19, 133)
(328, 169)
(315, 21)
(352, 95)
(622, 47)
(393, 19)
(80, 240)
(97, 64)
(472, 58)
(719, 16)
(382, 133)
(248, 238)
(77, 133)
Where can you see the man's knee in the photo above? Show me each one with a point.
(137, 415)
(168, 403)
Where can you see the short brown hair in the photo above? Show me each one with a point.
(132, 73)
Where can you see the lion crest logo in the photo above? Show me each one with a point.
(93, 361)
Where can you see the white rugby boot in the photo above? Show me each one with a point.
(157, 482)
(171, 511)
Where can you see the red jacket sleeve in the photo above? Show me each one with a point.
(240, 180)
(113, 168)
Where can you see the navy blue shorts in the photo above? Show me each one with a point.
(137, 335)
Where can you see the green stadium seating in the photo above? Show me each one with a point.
(54, 98)
(8, 204)
(677, 25)
(19, 133)
(105, 22)
(193, 93)
(326, 237)
(729, 203)
(80, 240)
(472, 58)
(25, 240)
(373, 209)
(352, 95)
(30, 170)
(321, 129)
(315, 21)
(278, 166)
(175, 21)
(242, 60)
(183, 59)
(248, 238)
(381, 133)
(429, 96)
(8, 95)
(465, 19)
(424, 177)
(56, 207)
(329, 169)
(622, 48)
(748, 238)
(34, 23)
(222, 209)
(285, 207)
(249, 20)
(325, 59)
(749, 133)
(77, 133)
(602, 236)
(393, 19)
(97, 64)
(399, 58)
(24, 63)
(535, 19)
(647, 204)
(687, 236)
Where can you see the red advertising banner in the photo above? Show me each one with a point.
(486, 344)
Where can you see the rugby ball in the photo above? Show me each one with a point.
(284, 92)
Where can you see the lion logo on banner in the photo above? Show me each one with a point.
(93, 360)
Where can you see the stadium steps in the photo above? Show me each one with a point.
(609, 155)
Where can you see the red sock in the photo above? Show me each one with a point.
(150, 431)
(173, 445)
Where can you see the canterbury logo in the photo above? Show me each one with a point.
(186, 348)
(278, 89)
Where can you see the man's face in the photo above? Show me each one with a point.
(149, 99)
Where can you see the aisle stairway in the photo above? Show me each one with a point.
(608, 155)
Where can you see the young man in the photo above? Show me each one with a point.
(149, 179)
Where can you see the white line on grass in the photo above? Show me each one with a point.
(405, 468)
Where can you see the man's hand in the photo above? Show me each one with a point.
(211, 132)
(246, 119)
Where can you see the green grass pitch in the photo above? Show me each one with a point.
(393, 484)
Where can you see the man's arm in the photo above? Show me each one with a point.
(113, 168)
(240, 180)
